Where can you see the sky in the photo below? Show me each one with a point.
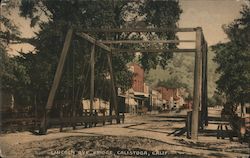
(208, 14)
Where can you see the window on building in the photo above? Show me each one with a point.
(248, 110)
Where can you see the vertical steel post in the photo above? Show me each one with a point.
(204, 85)
(73, 88)
(197, 86)
(56, 81)
(114, 95)
(92, 78)
(206, 95)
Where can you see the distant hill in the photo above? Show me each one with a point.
(182, 66)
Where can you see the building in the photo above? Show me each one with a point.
(156, 100)
(172, 96)
(137, 98)
(138, 79)
(98, 104)
(243, 111)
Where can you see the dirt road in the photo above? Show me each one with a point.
(158, 135)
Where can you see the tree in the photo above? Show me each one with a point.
(60, 15)
(13, 75)
(216, 100)
(160, 14)
(173, 82)
(7, 27)
(233, 59)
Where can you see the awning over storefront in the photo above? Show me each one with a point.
(141, 94)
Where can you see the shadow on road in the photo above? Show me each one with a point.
(169, 120)
(149, 130)
(177, 116)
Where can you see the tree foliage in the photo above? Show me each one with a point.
(13, 75)
(114, 14)
(56, 16)
(173, 82)
(8, 27)
(233, 59)
(160, 14)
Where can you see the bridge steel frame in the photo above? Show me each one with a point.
(200, 73)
